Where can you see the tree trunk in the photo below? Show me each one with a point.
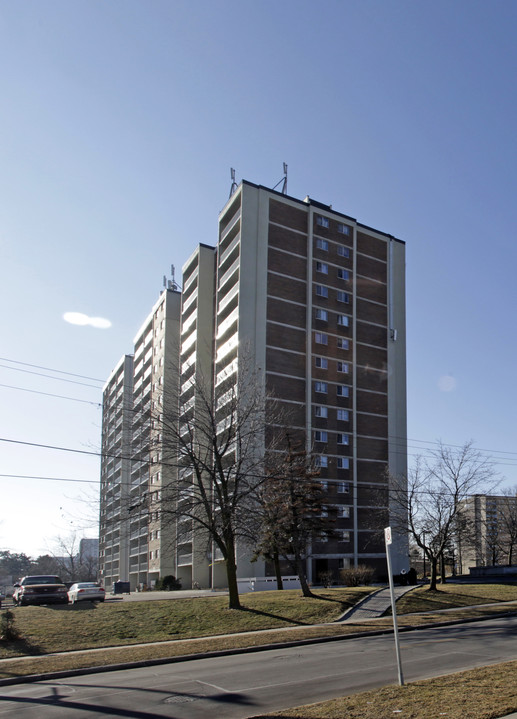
(231, 575)
(443, 578)
(300, 570)
(434, 572)
(278, 573)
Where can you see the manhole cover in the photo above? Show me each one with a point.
(179, 699)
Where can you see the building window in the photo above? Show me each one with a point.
(320, 411)
(342, 390)
(343, 415)
(343, 297)
(321, 338)
(343, 274)
(345, 536)
(343, 487)
(324, 485)
(321, 461)
(342, 367)
(321, 387)
(343, 511)
(322, 245)
(343, 439)
(322, 267)
(320, 436)
(343, 320)
(343, 343)
(322, 315)
(322, 291)
(322, 221)
(321, 362)
(343, 251)
(344, 229)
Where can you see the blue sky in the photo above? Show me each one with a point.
(120, 121)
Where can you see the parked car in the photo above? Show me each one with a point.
(40, 589)
(89, 591)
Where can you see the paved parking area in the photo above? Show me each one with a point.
(179, 594)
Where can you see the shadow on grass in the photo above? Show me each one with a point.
(22, 647)
(298, 622)
(261, 613)
(459, 596)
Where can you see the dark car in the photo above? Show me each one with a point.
(40, 589)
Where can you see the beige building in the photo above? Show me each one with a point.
(134, 546)
(489, 536)
(117, 420)
(316, 300)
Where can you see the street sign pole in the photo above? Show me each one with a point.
(388, 541)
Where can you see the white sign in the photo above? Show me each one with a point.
(387, 535)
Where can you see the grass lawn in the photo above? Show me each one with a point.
(85, 625)
(455, 595)
(485, 693)
(140, 631)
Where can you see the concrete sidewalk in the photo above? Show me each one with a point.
(374, 605)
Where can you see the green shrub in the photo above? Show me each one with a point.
(167, 583)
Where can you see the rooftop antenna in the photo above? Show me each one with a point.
(283, 181)
(171, 284)
(234, 184)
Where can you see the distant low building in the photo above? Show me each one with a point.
(89, 547)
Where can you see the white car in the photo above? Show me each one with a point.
(89, 591)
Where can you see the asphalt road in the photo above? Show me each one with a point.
(242, 686)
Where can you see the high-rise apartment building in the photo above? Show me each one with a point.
(318, 299)
(117, 420)
(315, 301)
(134, 546)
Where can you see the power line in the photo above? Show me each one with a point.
(49, 394)
(50, 479)
(48, 376)
(511, 463)
(142, 461)
(50, 369)
(50, 446)
(94, 379)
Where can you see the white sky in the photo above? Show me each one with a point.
(120, 121)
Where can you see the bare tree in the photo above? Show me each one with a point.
(73, 566)
(293, 512)
(507, 523)
(436, 489)
(214, 450)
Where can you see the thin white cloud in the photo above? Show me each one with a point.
(446, 383)
(78, 318)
